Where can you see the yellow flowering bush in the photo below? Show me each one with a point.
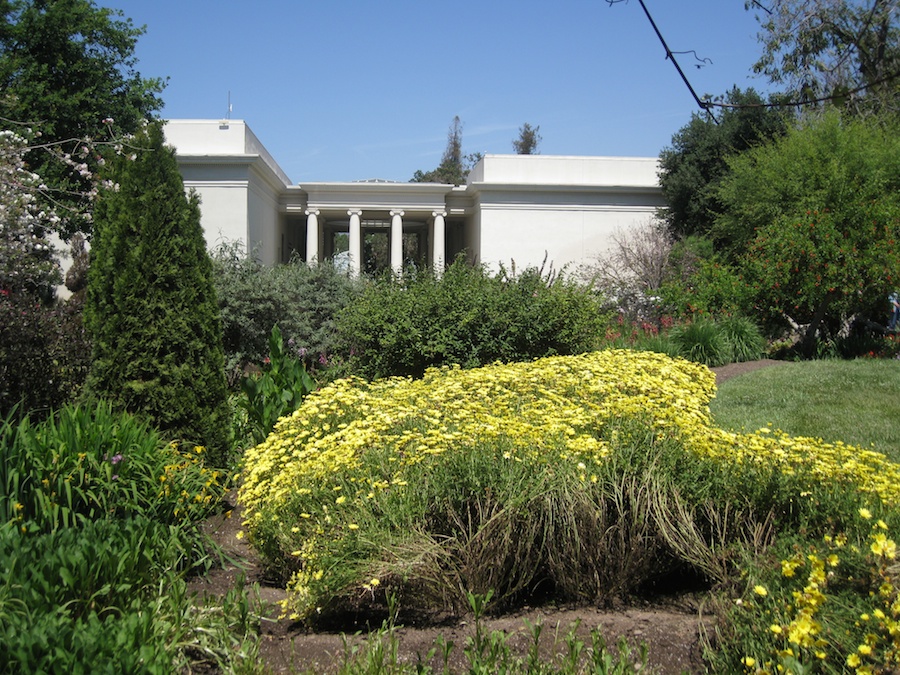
(394, 479)
(561, 399)
(833, 608)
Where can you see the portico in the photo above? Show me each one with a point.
(370, 226)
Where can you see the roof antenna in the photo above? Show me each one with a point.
(226, 121)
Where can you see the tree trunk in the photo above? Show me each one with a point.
(807, 346)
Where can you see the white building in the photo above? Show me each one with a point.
(522, 209)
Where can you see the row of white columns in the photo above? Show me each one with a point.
(396, 238)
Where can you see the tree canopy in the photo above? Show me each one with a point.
(832, 48)
(817, 213)
(151, 307)
(68, 70)
(528, 141)
(693, 166)
(454, 167)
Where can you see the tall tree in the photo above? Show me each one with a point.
(454, 167)
(693, 166)
(67, 68)
(818, 217)
(151, 308)
(528, 140)
(832, 48)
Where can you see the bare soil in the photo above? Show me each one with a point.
(673, 628)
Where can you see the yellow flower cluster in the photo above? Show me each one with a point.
(549, 403)
(810, 459)
(194, 485)
(547, 411)
(802, 630)
(534, 406)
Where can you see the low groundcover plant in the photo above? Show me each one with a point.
(581, 478)
(100, 526)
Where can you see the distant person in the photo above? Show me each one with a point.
(894, 299)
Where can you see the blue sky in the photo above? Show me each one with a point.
(342, 90)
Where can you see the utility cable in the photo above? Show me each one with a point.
(707, 105)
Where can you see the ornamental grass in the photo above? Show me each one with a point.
(572, 479)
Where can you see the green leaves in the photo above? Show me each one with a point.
(302, 300)
(151, 307)
(467, 317)
(820, 214)
(89, 463)
(277, 391)
(70, 65)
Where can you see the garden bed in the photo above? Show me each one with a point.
(672, 626)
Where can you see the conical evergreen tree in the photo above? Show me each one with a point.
(151, 308)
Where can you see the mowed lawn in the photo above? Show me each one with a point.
(857, 402)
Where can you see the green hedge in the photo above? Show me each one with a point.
(468, 316)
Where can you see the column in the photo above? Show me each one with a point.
(397, 241)
(355, 241)
(312, 236)
(438, 238)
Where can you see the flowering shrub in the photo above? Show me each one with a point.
(475, 479)
(27, 262)
(827, 606)
(98, 529)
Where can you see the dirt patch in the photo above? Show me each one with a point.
(672, 629)
(734, 369)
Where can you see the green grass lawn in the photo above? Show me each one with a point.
(857, 402)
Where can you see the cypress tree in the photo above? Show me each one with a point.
(151, 308)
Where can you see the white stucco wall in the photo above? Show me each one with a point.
(238, 181)
(514, 208)
(559, 209)
(553, 170)
(219, 138)
(224, 212)
(566, 238)
(264, 227)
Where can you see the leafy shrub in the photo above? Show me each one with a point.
(69, 569)
(718, 342)
(467, 317)
(87, 463)
(302, 300)
(276, 391)
(706, 287)
(109, 596)
(702, 341)
(660, 343)
(150, 307)
(98, 528)
(744, 338)
(44, 354)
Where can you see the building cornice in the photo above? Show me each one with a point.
(252, 163)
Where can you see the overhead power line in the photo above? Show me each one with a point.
(707, 105)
